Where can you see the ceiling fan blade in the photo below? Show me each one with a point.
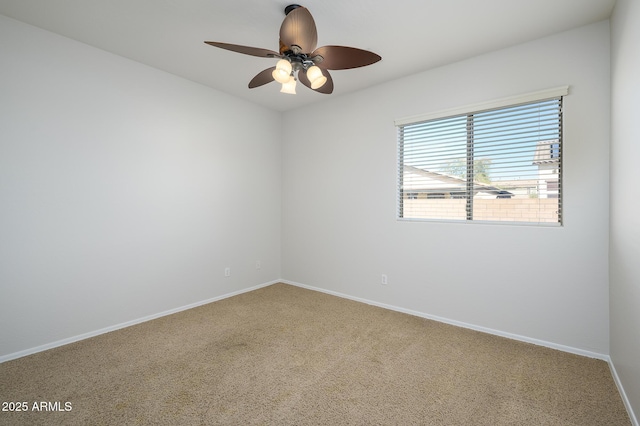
(247, 50)
(263, 77)
(342, 57)
(326, 88)
(298, 28)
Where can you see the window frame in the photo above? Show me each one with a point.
(469, 111)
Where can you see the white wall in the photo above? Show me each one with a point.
(124, 190)
(625, 205)
(339, 227)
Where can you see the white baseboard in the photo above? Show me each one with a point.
(83, 336)
(625, 399)
(458, 323)
(538, 342)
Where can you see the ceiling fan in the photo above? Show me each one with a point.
(300, 57)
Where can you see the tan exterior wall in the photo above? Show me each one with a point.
(500, 209)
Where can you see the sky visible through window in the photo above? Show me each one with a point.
(505, 142)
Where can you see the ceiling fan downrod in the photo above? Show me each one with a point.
(290, 8)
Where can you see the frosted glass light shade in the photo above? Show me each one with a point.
(282, 72)
(289, 87)
(314, 74)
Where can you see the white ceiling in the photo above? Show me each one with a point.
(410, 35)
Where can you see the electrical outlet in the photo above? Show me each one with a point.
(384, 280)
(227, 271)
(258, 264)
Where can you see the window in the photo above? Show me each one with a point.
(499, 162)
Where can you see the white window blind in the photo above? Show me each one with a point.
(502, 164)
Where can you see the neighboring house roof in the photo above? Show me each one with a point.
(421, 180)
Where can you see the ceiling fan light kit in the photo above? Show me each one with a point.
(289, 87)
(300, 57)
(315, 77)
(282, 73)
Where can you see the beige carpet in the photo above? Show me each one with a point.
(283, 355)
